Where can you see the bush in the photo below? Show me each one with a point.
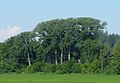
(65, 68)
(38, 67)
(76, 68)
(21, 70)
(68, 67)
(84, 68)
(7, 67)
(41, 67)
(49, 68)
(94, 66)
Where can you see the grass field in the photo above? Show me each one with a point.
(56, 78)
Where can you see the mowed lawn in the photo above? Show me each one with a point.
(57, 78)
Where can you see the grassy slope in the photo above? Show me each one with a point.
(55, 78)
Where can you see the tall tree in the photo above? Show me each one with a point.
(115, 60)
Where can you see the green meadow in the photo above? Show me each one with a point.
(57, 78)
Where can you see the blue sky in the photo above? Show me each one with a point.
(22, 15)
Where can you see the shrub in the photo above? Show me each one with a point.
(41, 67)
(38, 67)
(76, 68)
(49, 68)
(68, 67)
(7, 67)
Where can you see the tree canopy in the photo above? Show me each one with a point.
(73, 45)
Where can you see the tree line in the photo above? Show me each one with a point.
(73, 45)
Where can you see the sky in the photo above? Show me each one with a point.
(23, 15)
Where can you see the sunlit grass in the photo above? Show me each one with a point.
(57, 78)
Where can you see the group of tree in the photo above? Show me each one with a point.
(73, 45)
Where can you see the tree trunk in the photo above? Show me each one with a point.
(29, 61)
(78, 61)
(69, 54)
(56, 61)
(61, 58)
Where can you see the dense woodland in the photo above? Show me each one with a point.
(73, 45)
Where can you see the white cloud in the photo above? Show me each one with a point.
(9, 32)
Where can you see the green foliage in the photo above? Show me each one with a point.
(66, 67)
(7, 67)
(40, 67)
(115, 61)
(73, 45)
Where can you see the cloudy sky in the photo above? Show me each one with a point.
(22, 15)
